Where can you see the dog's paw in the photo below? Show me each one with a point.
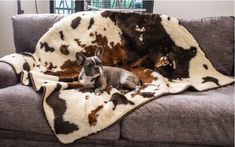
(137, 89)
(98, 92)
(123, 91)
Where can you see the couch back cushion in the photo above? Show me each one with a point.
(215, 36)
(28, 29)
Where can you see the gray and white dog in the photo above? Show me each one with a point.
(94, 75)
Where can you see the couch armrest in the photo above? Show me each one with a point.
(8, 76)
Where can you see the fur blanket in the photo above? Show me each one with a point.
(157, 48)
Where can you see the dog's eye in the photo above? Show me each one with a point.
(98, 63)
(90, 64)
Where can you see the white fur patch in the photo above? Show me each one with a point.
(138, 29)
(141, 37)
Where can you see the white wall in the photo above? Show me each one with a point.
(194, 9)
(8, 9)
(29, 7)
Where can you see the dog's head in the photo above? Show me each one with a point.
(91, 66)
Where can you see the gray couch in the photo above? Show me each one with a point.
(184, 120)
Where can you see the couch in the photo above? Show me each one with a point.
(189, 119)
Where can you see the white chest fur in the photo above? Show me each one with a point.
(87, 81)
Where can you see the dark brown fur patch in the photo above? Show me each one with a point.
(61, 35)
(138, 62)
(91, 34)
(64, 49)
(92, 117)
(109, 14)
(26, 66)
(180, 58)
(91, 23)
(76, 84)
(211, 79)
(59, 107)
(68, 73)
(47, 47)
(111, 55)
(180, 23)
(119, 99)
(75, 22)
(157, 43)
(205, 66)
(79, 43)
(144, 94)
(147, 94)
(51, 66)
(71, 65)
(134, 94)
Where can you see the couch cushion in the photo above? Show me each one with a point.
(205, 118)
(21, 110)
(28, 29)
(216, 37)
(24, 139)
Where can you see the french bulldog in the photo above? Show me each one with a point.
(94, 75)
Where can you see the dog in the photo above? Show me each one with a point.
(94, 75)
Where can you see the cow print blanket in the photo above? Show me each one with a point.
(157, 48)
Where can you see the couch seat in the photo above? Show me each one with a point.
(21, 110)
(200, 118)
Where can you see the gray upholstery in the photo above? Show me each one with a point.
(190, 117)
(7, 75)
(216, 37)
(21, 110)
(24, 139)
(28, 28)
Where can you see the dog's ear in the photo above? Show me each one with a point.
(80, 58)
(99, 52)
